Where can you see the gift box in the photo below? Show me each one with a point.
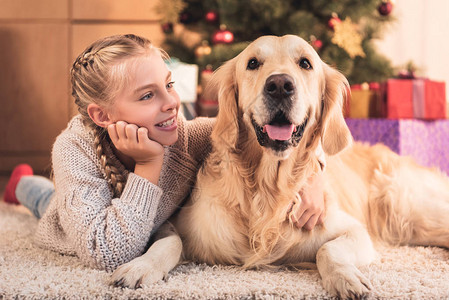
(415, 98)
(208, 102)
(185, 77)
(365, 102)
(425, 141)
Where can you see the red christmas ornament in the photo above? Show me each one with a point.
(385, 7)
(211, 17)
(167, 28)
(334, 20)
(317, 44)
(208, 70)
(185, 18)
(222, 36)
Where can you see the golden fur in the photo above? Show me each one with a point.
(237, 211)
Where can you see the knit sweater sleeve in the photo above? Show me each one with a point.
(105, 232)
(199, 142)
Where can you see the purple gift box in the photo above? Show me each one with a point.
(426, 141)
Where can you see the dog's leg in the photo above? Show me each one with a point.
(163, 255)
(337, 260)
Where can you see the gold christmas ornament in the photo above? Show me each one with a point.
(203, 49)
(347, 37)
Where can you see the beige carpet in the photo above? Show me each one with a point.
(30, 272)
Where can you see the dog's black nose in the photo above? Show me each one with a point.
(279, 86)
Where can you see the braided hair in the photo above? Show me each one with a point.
(97, 76)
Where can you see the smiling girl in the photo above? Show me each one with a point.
(124, 164)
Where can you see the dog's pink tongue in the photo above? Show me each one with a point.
(280, 133)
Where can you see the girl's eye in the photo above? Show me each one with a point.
(305, 64)
(147, 96)
(170, 85)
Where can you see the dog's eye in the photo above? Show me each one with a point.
(253, 64)
(305, 64)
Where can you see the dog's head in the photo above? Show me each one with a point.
(282, 93)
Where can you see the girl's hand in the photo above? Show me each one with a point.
(134, 142)
(310, 209)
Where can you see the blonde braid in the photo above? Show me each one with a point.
(116, 179)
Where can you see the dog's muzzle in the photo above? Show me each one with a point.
(280, 133)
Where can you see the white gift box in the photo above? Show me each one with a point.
(185, 77)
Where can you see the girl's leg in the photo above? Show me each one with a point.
(10, 190)
(35, 192)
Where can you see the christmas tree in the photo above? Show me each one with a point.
(342, 31)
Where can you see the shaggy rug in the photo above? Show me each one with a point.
(27, 271)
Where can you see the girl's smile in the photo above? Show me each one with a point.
(169, 124)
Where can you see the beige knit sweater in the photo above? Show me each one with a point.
(84, 219)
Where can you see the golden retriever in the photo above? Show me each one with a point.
(277, 102)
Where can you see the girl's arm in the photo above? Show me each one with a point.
(105, 232)
(311, 210)
(197, 137)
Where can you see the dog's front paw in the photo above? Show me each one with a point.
(137, 273)
(347, 282)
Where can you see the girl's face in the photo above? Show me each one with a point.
(150, 100)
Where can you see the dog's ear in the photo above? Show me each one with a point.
(335, 134)
(224, 86)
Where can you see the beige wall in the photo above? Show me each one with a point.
(38, 42)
